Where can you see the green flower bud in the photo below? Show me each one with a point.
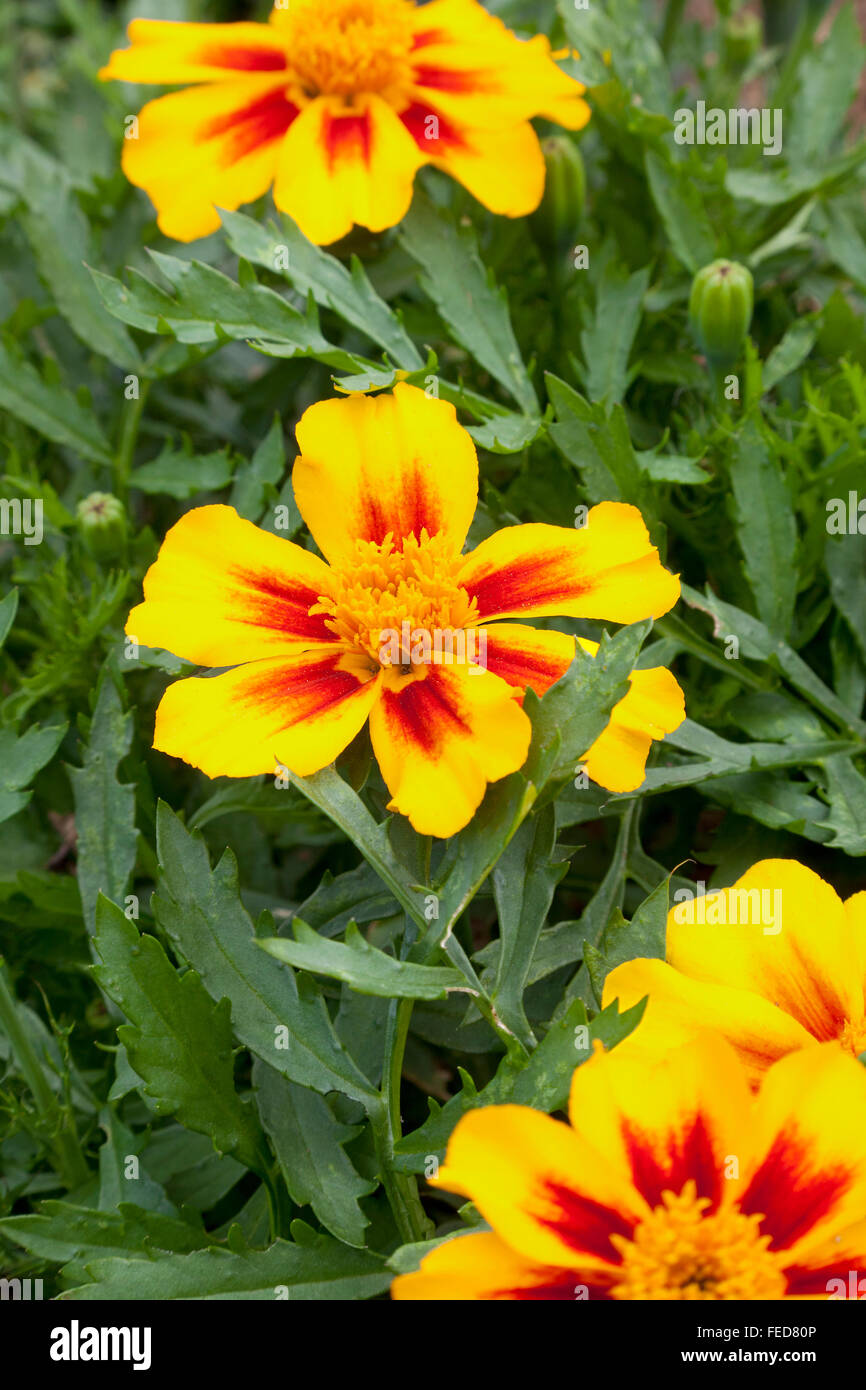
(102, 525)
(720, 310)
(556, 221)
(742, 38)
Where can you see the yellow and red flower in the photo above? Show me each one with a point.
(337, 104)
(672, 1182)
(775, 963)
(388, 486)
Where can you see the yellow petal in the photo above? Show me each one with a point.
(549, 1195)
(679, 1008)
(653, 707)
(527, 657)
(479, 1267)
(207, 147)
(342, 165)
(808, 1173)
(165, 51)
(780, 932)
(299, 711)
(661, 1121)
(440, 739)
(223, 591)
(371, 465)
(607, 569)
(503, 169)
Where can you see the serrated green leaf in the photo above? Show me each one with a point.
(766, 529)
(20, 760)
(177, 1040)
(362, 966)
(308, 1142)
(50, 409)
(176, 473)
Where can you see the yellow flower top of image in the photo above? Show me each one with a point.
(336, 104)
(395, 624)
(672, 1182)
(775, 963)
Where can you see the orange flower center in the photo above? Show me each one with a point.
(681, 1253)
(389, 597)
(853, 1037)
(347, 47)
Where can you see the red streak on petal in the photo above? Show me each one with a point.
(416, 119)
(584, 1224)
(271, 601)
(241, 59)
(790, 1198)
(803, 1280)
(305, 692)
(247, 128)
(406, 513)
(527, 582)
(347, 137)
(420, 715)
(428, 36)
(562, 1288)
(455, 80)
(687, 1154)
(522, 668)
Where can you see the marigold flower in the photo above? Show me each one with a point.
(672, 1182)
(388, 486)
(337, 104)
(775, 963)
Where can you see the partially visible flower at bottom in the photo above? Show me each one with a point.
(672, 1182)
(388, 486)
(774, 963)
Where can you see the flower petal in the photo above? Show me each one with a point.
(223, 591)
(167, 51)
(527, 657)
(679, 1008)
(373, 465)
(653, 707)
(301, 711)
(855, 911)
(780, 932)
(439, 740)
(344, 165)
(209, 146)
(808, 1174)
(662, 1121)
(607, 569)
(549, 1195)
(503, 169)
(480, 1266)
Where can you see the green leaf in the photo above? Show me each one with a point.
(277, 1015)
(828, 75)
(177, 1039)
(177, 473)
(311, 270)
(790, 354)
(846, 789)
(598, 444)
(641, 938)
(766, 529)
(845, 561)
(8, 609)
(74, 1236)
(20, 760)
(49, 409)
(681, 210)
(466, 296)
(257, 480)
(607, 340)
(104, 807)
(524, 881)
(207, 307)
(321, 1270)
(362, 966)
(308, 1142)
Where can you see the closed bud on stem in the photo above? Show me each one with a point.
(556, 221)
(742, 38)
(102, 525)
(720, 311)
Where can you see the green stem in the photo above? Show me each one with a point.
(673, 19)
(64, 1139)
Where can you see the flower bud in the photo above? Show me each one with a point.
(742, 38)
(720, 310)
(556, 221)
(102, 525)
